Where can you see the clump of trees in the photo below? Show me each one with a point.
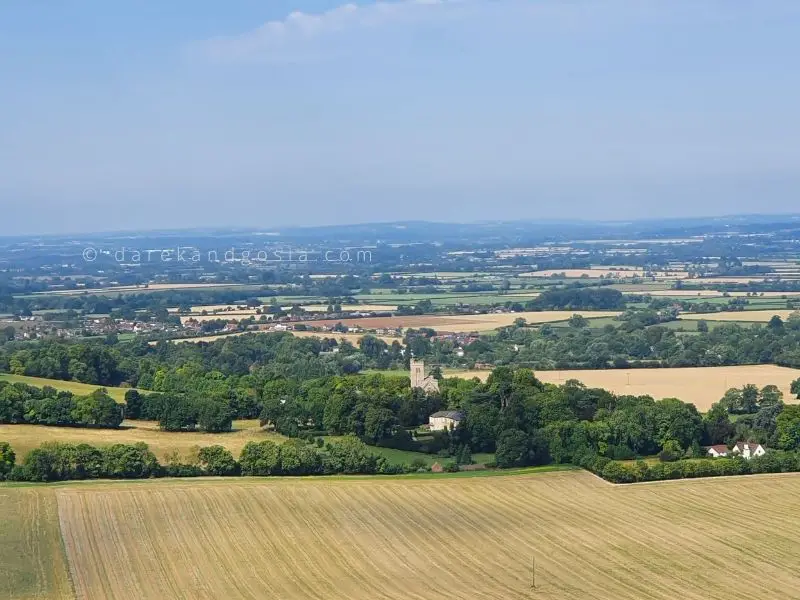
(22, 403)
(575, 298)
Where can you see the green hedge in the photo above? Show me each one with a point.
(633, 472)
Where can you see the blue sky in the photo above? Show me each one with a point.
(152, 114)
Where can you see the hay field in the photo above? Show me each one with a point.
(77, 388)
(463, 323)
(702, 386)
(24, 438)
(434, 539)
(32, 561)
(743, 316)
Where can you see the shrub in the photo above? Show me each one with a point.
(616, 473)
(216, 460)
(7, 460)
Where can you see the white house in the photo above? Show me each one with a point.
(717, 450)
(746, 450)
(444, 420)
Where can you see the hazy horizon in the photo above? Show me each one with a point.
(143, 116)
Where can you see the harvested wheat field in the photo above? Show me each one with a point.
(32, 561)
(743, 316)
(24, 438)
(463, 323)
(702, 386)
(428, 539)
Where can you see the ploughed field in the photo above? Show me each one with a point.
(401, 538)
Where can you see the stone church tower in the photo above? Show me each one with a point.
(428, 384)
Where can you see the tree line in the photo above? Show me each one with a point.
(56, 461)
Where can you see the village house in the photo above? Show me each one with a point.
(746, 450)
(445, 420)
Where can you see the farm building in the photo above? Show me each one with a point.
(445, 419)
(744, 449)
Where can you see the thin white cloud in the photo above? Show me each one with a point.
(275, 39)
(321, 35)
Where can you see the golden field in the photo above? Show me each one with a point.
(24, 438)
(742, 316)
(422, 538)
(463, 323)
(702, 386)
(32, 561)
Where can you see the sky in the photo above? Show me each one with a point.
(264, 113)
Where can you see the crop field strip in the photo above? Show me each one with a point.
(33, 565)
(444, 538)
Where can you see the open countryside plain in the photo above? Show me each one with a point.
(425, 539)
(702, 386)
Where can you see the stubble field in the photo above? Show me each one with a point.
(423, 539)
(702, 386)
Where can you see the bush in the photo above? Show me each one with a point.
(350, 456)
(260, 458)
(7, 460)
(450, 466)
(616, 473)
(216, 460)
